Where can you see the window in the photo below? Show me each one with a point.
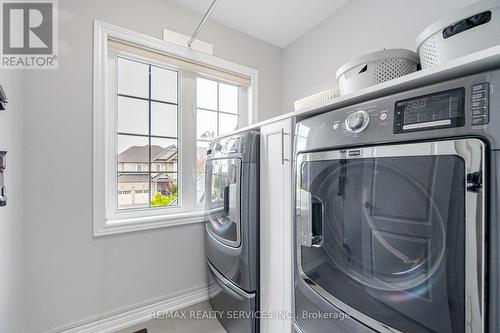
(147, 113)
(217, 114)
(156, 108)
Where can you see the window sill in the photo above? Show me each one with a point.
(119, 226)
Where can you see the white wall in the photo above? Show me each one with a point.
(359, 27)
(71, 276)
(11, 252)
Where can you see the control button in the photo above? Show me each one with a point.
(482, 86)
(481, 120)
(336, 126)
(398, 126)
(357, 121)
(480, 111)
(383, 116)
(480, 103)
(479, 95)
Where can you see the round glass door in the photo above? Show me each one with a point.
(388, 237)
(223, 201)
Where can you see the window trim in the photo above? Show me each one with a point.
(102, 223)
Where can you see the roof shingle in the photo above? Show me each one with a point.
(140, 154)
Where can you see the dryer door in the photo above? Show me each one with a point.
(223, 200)
(393, 235)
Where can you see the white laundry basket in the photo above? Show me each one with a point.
(465, 31)
(316, 99)
(374, 68)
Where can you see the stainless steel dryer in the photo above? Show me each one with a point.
(397, 213)
(232, 229)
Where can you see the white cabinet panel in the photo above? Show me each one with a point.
(276, 227)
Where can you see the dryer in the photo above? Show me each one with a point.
(396, 224)
(232, 230)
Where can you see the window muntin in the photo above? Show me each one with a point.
(147, 133)
(217, 114)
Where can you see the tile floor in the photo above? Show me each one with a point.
(181, 325)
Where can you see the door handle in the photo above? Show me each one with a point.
(304, 218)
(310, 220)
(226, 201)
(283, 158)
(234, 203)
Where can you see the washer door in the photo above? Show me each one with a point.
(385, 234)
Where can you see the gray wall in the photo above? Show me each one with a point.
(359, 27)
(71, 276)
(11, 252)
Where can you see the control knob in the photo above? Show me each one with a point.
(357, 121)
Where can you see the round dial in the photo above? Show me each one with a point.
(357, 121)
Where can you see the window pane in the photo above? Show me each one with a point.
(206, 124)
(163, 84)
(163, 119)
(228, 98)
(201, 158)
(164, 190)
(227, 123)
(133, 190)
(164, 154)
(133, 78)
(133, 153)
(133, 116)
(206, 94)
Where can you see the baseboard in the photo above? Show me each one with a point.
(135, 315)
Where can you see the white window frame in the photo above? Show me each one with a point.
(106, 218)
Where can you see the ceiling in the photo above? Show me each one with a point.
(278, 22)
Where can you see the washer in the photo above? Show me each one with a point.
(394, 230)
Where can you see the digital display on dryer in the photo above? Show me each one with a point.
(438, 110)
